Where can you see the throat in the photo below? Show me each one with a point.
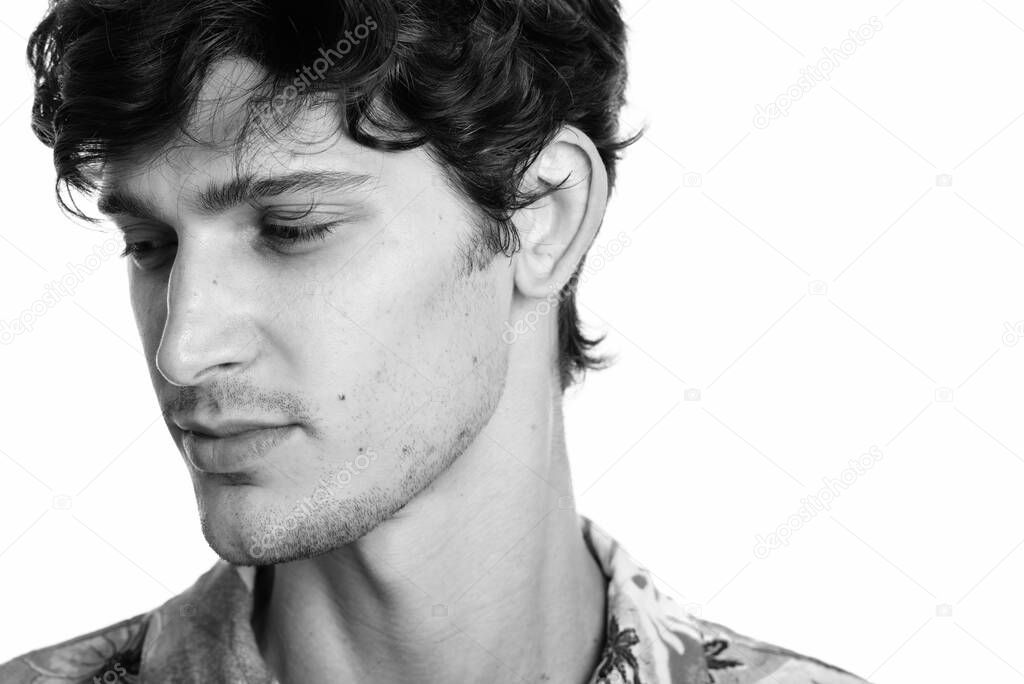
(547, 625)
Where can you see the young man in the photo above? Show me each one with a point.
(334, 215)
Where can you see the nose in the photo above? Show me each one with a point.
(208, 329)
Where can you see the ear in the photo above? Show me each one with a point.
(557, 230)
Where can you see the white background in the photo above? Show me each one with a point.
(791, 295)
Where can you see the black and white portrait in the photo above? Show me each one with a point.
(511, 341)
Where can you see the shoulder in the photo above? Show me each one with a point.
(735, 658)
(112, 653)
(115, 653)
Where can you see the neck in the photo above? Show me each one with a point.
(483, 576)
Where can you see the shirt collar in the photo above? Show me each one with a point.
(649, 638)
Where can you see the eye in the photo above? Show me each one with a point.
(136, 248)
(283, 235)
(281, 228)
(278, 236)
(275, 233)
(146, 253)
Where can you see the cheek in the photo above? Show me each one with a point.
(399, 318)
(397, 295)
(441, 321)
(398, 332)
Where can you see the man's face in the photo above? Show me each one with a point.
(375, 344)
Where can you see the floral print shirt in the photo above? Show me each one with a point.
(204, 634)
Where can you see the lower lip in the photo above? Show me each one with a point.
(236, 452)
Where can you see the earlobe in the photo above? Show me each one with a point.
(557, 230)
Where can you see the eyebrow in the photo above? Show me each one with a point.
(223, 196)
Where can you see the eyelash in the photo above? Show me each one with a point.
(285, 236)
(296, 234)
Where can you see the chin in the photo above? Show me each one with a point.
(245, 530)
(228, 539)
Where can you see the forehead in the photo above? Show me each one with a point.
(230, 133)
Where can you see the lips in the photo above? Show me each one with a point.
(233, 451)
(222, 428)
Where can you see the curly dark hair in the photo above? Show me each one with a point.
(485, 84)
